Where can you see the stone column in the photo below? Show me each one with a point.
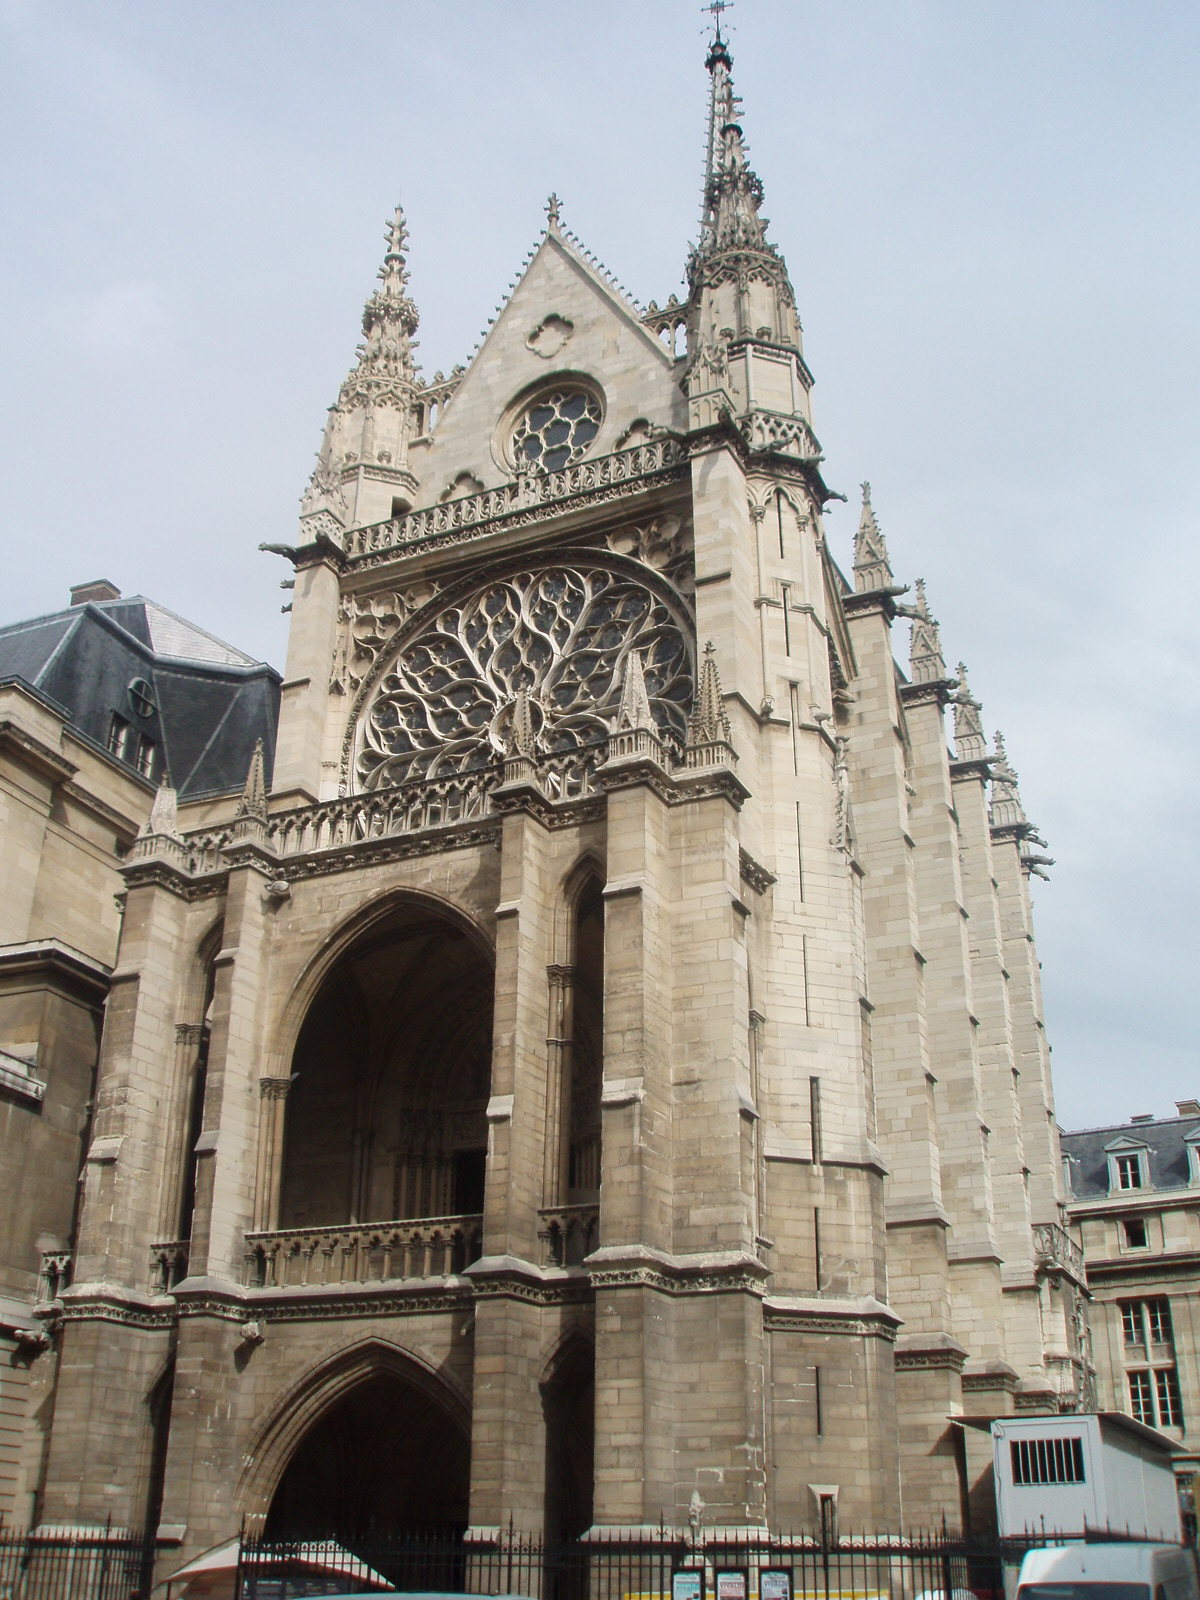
(268, 1182)
(559, 1068)
(304, 696)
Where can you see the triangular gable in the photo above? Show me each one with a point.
(562, 317)
(1125, 1141)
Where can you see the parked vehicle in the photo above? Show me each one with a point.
(1109, 1571)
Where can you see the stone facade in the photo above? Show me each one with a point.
(1133, 1200)
(614, 1045)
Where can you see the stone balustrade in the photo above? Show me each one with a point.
(472, 515)
(55, 1274)
(363, 1252)
(1054, 1247)
(569, 1233)
(168, 1264)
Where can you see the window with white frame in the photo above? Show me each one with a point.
(1141, 1400)
(1129, 1171)
(1166, 1385)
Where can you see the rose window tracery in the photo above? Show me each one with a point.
(444, 705)
(555, 430)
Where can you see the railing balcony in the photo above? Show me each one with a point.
(371, 1252)
(1054, 1248)
(569, 1234)
(168, 1264)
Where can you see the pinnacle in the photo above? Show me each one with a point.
(969, 741)
(254, 796)
(163, 821)
(634, 709)
(872, 566)
(925, 659)
(709, 722)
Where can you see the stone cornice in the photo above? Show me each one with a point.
(940, 692)
(754, 874)
(513, 1278)
(705, 1272)
(862, 602)
(844, 1316)
(34, 753)
(110, 1302)
(962, 771)
(71, 969)
(219, 1299)
(929, 1351)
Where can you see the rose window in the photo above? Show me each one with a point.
(444, 705)
(555, 430)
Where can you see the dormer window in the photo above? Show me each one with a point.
(1192, 1141)
(1129, 1172)
(1128, 1166)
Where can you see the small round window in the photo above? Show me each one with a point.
(141, 697)
(555, 430)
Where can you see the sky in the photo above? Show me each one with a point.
(990, 215)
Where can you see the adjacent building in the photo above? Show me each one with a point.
(598, 1077)
(1133, 1197)
(100, 704)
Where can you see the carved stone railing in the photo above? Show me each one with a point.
(568, 1234)
(168, 1264)
(1054, 1247)
(55, 1274)
(781, 431)
(338, 824)
(366, 1252)
(526, 492)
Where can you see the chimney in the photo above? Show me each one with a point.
(1188, 1108)
(98, 589)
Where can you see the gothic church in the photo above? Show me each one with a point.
(598, 1069)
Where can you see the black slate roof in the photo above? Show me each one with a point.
(1165, 1140)
(209, 703)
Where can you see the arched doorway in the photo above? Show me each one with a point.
(569, 1409)
(385, 1457)
(386, 1117)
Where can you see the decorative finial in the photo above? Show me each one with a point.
(969, 741)
(254, 796)
(925, 659)
(872, 567)
(634, 709)
(163, 820)
(1006, 809)
(716, 8)
(552, 205)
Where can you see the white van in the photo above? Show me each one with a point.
(1109, 1572)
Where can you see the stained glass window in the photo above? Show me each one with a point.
(555, 430)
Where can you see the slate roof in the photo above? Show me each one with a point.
(1165, 1140)
(211, 702)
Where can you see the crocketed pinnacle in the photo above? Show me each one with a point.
(969, 741)
(926, 664)
(709, 722)
(254, 796)
(389, 316)
(634, 709)
(163, 821)
(521, 741)
(1005, 809)
(872, 568)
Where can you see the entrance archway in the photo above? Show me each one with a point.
(384, 1457)
(569, 1408)
(386, 1118)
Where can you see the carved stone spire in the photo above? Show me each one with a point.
(872, 568)
(710, 734)
(362, 467)
(926, 664)
(969, 741)
(163, 821)
(521, 740)
(1005, 809)
(253, 803)
(634, 710)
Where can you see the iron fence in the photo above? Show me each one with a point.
(69, 1563)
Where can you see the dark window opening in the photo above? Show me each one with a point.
(1048, 1460)
(147, 751)
(470, 1169)
(118, 737)
(1135, 1233)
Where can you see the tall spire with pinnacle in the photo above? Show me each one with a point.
(926, 663)
(1006, 810)
(969, 741)
(369, 427)
(872, 568)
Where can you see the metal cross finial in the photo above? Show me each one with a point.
(552, 211)
(717, 7)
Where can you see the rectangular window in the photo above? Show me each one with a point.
(1133, 1231)
(814, 1117)
(1140, 1403)
(1158, 1315)
(1170, 1412)
(1048, 1460)
(787, 628)
(145, 756)
(1131, 1321)
(1129, 1172)
(118, 737)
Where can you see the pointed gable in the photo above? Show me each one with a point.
(563, 320)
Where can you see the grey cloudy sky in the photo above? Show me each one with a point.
(990, 216)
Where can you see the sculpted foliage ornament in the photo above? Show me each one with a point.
(559, 633)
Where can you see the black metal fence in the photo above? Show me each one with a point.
(75, 1564)
(636, 1566)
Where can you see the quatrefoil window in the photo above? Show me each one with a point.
(555, 430)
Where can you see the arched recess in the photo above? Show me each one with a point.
(568, 1391)
(375, 1436)
(187, 1106)
(575, 1065)
(386, 1115)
